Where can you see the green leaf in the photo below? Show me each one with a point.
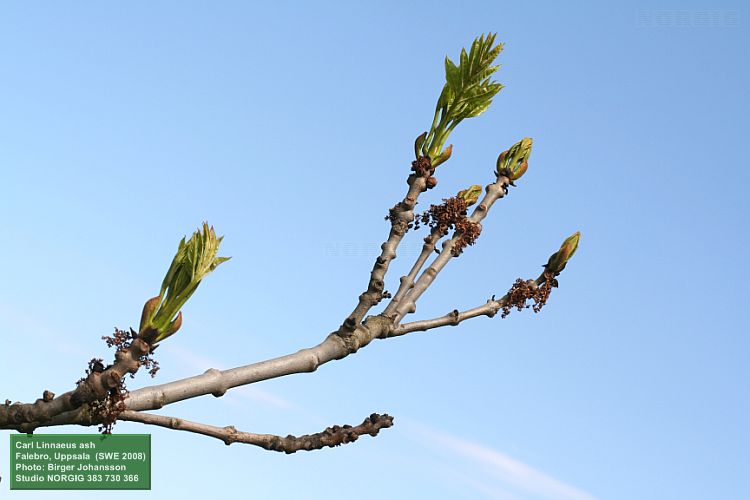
(477, 109)
(481, 94)
(446, 97)
(464, 67)
(474, 59)
(452, 74)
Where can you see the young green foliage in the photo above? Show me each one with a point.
(468, 92)
(193, 261)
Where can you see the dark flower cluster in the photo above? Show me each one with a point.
(422, 167)
(122, 339)
(451, 214)
(108, 409)
(521, 291)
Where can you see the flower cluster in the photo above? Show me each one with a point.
(521, 291)
(122, 339)
(451, 214)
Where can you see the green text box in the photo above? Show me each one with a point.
(80, 462)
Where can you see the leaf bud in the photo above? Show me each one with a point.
(559, 259)
(470, 195)
(513, 163)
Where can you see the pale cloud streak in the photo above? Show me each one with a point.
(506, 471)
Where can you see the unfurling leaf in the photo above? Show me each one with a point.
(195, 258)
(559, 259)
(468, 91)
(470, 195)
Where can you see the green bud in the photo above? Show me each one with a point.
(470, 195)
(559, 259)
(443, 157)
(514, 162)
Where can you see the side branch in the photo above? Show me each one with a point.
(331, 437)
(407, 282)
(408, 305)
(334, 347)
(401, 215)
(453, 318)
(537, 290)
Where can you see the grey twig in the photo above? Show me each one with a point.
(330, 437)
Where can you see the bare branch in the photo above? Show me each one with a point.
(331, 437)
(213, 381)
(401, 215)
(334, 347)
(217, 382)
(453, 318)
(537, 290)
(407, 282)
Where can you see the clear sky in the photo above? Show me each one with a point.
(289, 127)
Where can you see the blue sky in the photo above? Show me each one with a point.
(289, 127)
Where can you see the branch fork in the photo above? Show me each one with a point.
(467, 93)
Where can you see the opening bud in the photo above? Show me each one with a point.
(559, 259)
(514, 162)
(470, 195)
(195, 258)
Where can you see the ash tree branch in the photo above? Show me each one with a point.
(467, 93)
(334, 347)
(454, 318)
(330, 437)
(160, 319)
(407, 281)
(217, 382)
(407, 305)
(511, 165)
(401, 215)
(95, 387)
